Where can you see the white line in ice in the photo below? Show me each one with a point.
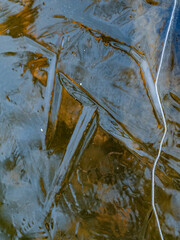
(164, 120)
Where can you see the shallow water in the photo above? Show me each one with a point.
(80, 125)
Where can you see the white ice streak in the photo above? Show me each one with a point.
(163, 116)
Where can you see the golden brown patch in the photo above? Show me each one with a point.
(22, 22)
(152, 2)
(42, 186)
(36, 67)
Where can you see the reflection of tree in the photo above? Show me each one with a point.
(22, 22)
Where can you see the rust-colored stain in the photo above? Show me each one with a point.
(21, 23)
(116, 223)
(42, 186)
(36, 67)
(152, 2)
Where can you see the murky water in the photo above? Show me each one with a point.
(80, 124)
